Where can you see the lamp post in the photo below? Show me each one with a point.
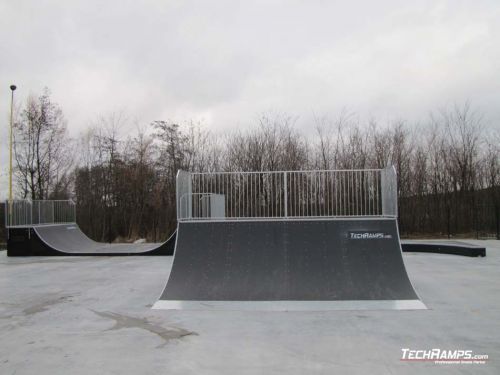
(12, 89)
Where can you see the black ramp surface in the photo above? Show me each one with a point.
(323, 260)
(68, 239)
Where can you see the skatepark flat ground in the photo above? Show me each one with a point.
(92, 315)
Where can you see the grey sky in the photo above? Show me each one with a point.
(226, 61)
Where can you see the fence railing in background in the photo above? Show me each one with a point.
(25, 212)
(286, 194)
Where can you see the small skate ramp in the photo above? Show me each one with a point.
(289, 265)
(443, 247)
(68, 239)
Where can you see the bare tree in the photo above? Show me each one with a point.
(42, 150)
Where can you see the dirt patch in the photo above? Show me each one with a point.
(124, 321)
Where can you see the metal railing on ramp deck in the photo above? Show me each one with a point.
(21, 213)
(286, 194)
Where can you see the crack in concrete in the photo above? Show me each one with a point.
(124, 321)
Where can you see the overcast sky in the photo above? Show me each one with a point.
(224, 62)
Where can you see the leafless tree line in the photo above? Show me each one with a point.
(124, 185)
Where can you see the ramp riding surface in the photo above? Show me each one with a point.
(68, 239)
(289, 265)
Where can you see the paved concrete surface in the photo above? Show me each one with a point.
(91, 315)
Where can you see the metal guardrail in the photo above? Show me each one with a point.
(286, 194)
(19, 213)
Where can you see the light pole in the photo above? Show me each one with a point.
(12, 89)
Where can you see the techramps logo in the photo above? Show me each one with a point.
(367, 235)
(444, 356)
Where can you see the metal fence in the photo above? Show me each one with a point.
(286, 195)
(25, 212)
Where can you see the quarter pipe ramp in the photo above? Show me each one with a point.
(289, 265)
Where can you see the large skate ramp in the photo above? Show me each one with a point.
(68, 239)
(289, 265)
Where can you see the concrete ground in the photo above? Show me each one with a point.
(92, 315)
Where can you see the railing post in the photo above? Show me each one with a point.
(10, 211)
(190, 195)
(389, 192)
(286, 194)
(177, 198)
